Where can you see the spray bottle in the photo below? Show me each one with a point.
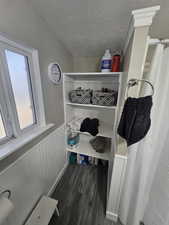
(106, 61)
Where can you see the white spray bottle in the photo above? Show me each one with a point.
(106, 61)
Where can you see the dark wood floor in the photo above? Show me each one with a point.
(82, 196)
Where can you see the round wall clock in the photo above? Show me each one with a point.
(55, 73)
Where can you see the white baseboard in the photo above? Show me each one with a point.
(111, 216)
(52, 189)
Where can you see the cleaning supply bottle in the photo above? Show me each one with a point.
(106, 61)
(115, 63)
(72, 137)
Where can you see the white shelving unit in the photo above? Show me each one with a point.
(107, 115)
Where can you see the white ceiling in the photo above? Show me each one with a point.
(87, 27)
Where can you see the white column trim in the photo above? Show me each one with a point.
(144, 17)
(140, 18)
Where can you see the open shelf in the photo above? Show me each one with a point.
(104, 131)
(91, 106)
(86, 149)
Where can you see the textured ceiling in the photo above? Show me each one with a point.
(87, 27)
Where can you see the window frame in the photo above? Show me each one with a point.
(10, 89)
(7, 102)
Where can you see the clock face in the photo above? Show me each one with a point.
(55, 73)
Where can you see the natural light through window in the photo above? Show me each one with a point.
(21, 85)
(21, 100)
(2, 130)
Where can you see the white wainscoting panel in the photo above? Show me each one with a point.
(33, 174)
(117, 179)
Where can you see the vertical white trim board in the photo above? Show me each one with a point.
(140, 18)
(117, 180)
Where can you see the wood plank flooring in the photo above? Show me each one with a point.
(82, 196)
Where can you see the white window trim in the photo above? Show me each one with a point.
(35, 130)
(38, 92)
(14, 144)
(35, 76)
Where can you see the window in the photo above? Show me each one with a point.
(21, 103)
(21, 85)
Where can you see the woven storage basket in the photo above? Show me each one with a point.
(80, 96)
(104, 98)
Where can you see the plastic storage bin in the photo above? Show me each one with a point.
(108, 98)
(80, 96)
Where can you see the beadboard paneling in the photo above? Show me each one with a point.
(117, 179)
(33, 174)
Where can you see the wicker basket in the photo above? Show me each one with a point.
(108, 98)
(80, 96)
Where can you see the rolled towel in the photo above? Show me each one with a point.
(99, 144)
(90, 126)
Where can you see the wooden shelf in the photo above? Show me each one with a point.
(97, 74)
(92, 76)
(86, 149)
(91, 106)
(104, 131)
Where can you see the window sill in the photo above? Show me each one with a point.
(15, 144)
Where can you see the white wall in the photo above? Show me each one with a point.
(33, 174)
(32, 170)
(20, 22)
(87, 64)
